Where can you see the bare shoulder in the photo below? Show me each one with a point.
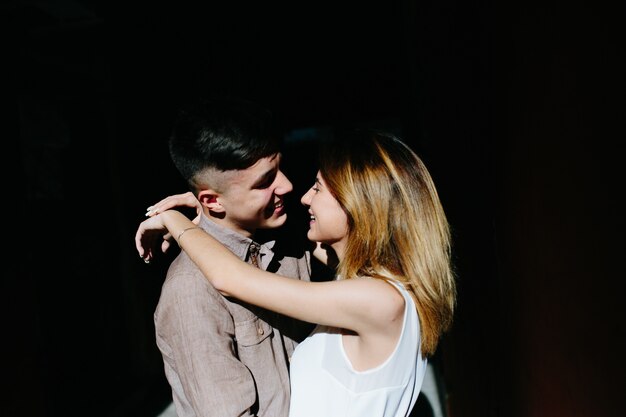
(385, 301)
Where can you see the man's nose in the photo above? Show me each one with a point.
(283, 185)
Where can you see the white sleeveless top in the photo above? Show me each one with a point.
(324, 383)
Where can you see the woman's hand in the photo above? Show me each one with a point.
(152, 233)
(187, 199)
(325, 254)
(149, 234)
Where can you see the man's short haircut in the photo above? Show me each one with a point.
(221, 134)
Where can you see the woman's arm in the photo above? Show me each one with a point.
(362, 305)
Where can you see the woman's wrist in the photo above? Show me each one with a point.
(176, 223)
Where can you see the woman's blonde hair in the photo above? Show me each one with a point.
(397, 229)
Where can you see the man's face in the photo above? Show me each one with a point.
(254, 197)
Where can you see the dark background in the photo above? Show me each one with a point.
(517, 110)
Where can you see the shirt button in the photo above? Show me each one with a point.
(260, 330)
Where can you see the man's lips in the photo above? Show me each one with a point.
(277, 208)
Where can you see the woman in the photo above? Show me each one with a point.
(374, 208)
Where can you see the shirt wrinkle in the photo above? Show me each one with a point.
(197, 329)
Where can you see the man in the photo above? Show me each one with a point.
(224, 358)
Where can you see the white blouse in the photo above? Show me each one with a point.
(324, 383)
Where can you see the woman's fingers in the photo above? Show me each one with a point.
(187, 199)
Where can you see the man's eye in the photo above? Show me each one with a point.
(265, 183)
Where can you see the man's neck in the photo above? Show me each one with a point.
(225, 223)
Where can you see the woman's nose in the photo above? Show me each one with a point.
(306, 198)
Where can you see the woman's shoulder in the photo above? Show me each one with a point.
(385, 298)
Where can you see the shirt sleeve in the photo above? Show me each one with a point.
(196, 334)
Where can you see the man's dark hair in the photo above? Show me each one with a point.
(224, 133)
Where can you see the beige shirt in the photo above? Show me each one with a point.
(223, 358)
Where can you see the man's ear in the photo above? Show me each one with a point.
(210, 199)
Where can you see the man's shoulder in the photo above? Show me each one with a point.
(184, 278)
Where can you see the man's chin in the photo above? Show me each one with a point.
(274, 222)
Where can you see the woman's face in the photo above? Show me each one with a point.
(329, 222)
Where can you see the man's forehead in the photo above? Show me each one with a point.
(256, 171)
(268, 162)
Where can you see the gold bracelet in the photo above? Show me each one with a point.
(183, 231)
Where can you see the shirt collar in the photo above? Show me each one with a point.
(236, 242)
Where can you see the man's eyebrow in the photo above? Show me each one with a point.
(270, 172)
(265, 176)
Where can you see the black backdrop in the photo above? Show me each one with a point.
(517, 110)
